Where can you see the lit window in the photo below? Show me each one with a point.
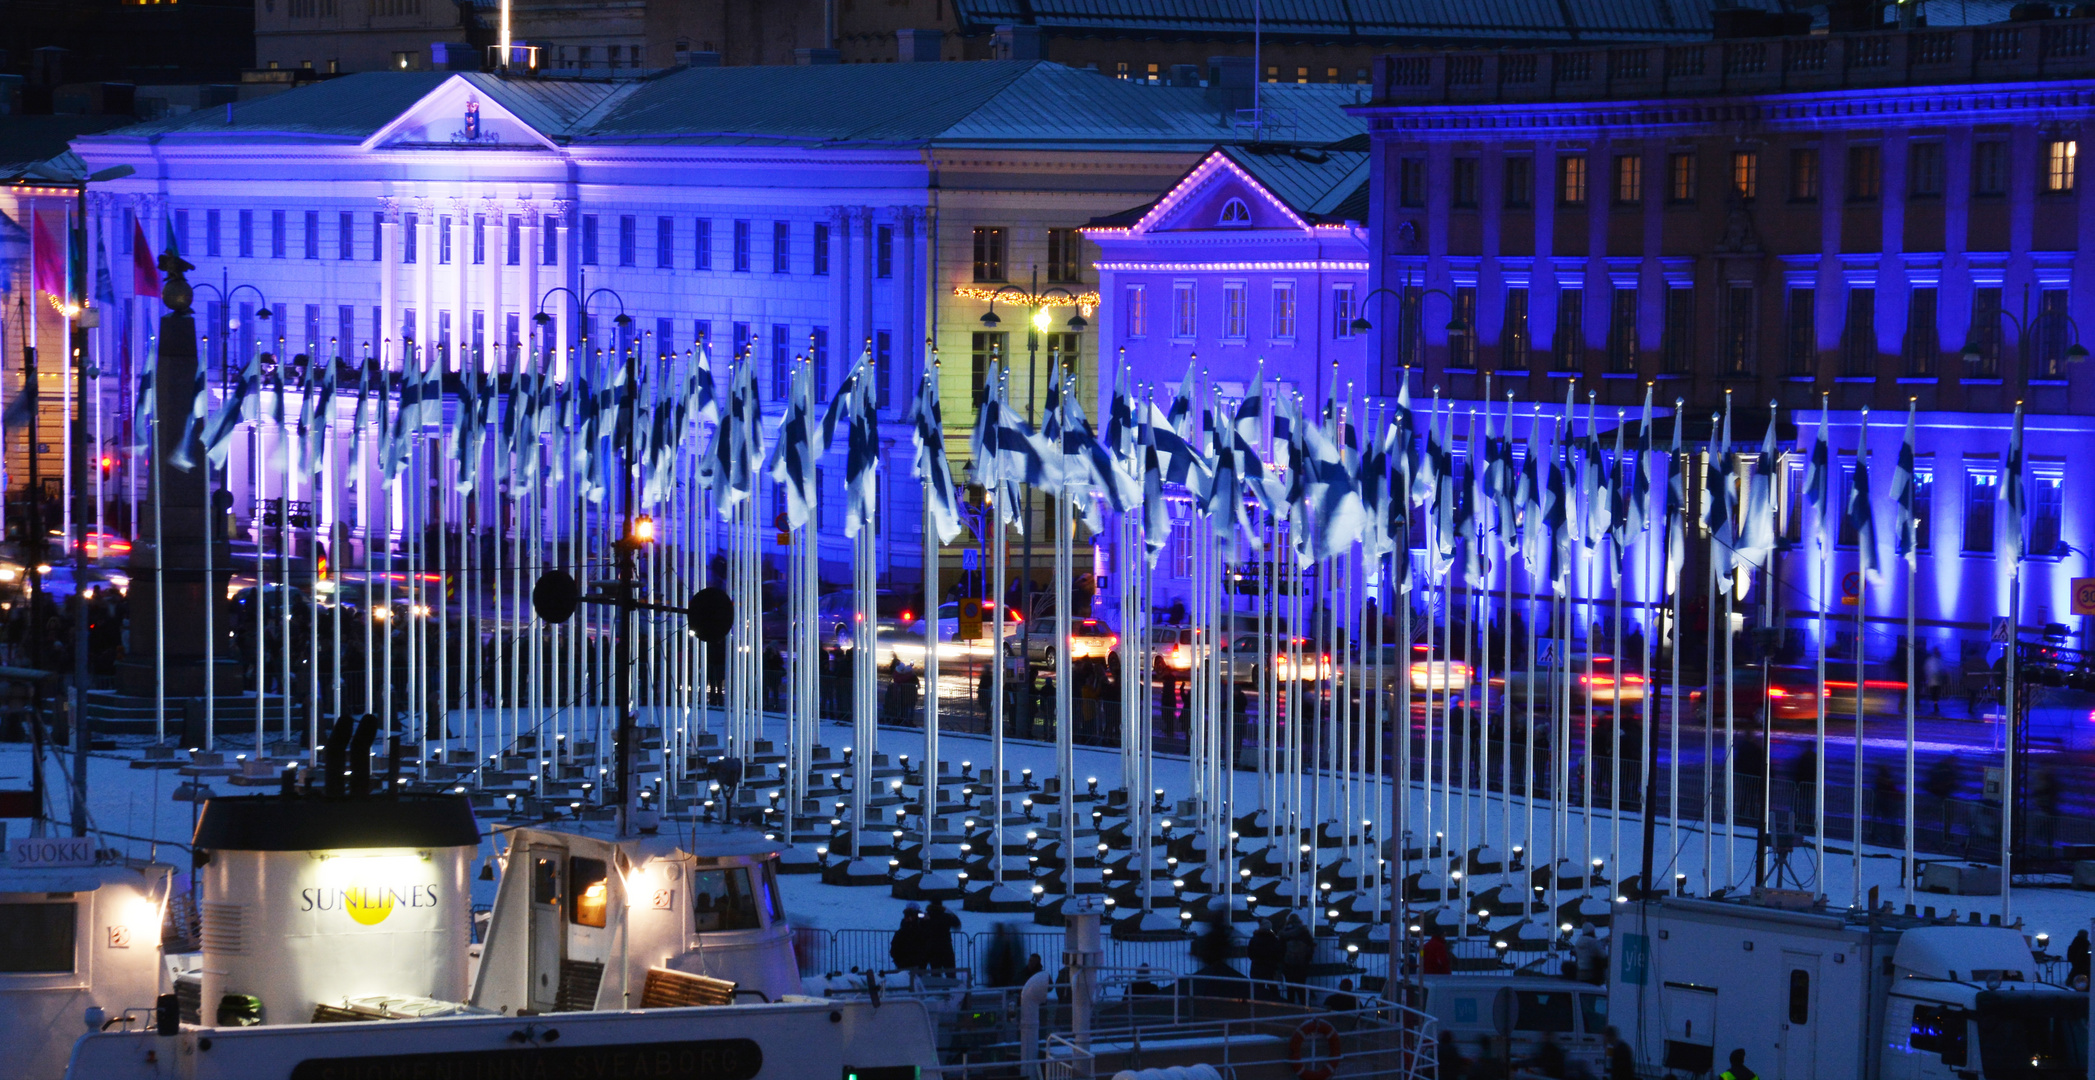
(1284, 310)
(1571, 174)
(1235, 212)
(1182, 309)
(1680, 177)
(2058, 164)
(1138, 311)
(1629, 179)
(1233, 311)
(1745, 173)
(1342, 311)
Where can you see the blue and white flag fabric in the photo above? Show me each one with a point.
(1635, 484)
(320, 417)
(792, 461)
(862, 452)
(238, 407)
(927, 427)
(1180, 462)
(1181, 413)
(1536, 499)
(143, 406)
(1676, 510)
(1336, 515)
(1717, 499)
(1756, 526)
(2014, 497)
(1156, 514)
(1859, 516)
(1904, 531)
(739, 440)
(1556, 505)
(183, 456)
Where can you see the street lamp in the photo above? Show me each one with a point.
(2075, 352)
(1457, 327)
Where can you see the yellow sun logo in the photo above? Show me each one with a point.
(367, 904)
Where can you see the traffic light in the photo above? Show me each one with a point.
(108, 467)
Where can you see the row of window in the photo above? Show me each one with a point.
(1065, 254)
(353, 240)
(1282, 310)
(1157, 73)
(1926, 171)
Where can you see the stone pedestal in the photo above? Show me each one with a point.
(177, 550)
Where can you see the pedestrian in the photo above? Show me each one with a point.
(1738, 1070)
(1435, 958)
(1452, 1065)
(1342, 1000)
(1586, 947)
(1145, 984)
(906, 949)
(1622, 1063)
(1298, 951)
(1263, 953)
(1033, 967)
(2077, 962)
(1934, 678)
(940, 925)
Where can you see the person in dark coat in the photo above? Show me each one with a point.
(2077, 961)
(1298, 950)
(1622, 1062)
(1435, 958)
(907, 948)
(1263, 953)
(939, 927)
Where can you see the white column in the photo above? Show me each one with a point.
(425, 273)
(496, 232)
(462, 278)
(527, 262)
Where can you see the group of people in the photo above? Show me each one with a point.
(1549, 1060)
(1280, 953)
(924, 941)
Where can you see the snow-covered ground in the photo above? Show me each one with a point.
(133, 808)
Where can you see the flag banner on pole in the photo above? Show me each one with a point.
(145, 270)
(1858, 514)
(48, 263)
(927, 427)
(2014, 497)
(1905, 535)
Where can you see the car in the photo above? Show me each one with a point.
(1428, 676)
(1248, 659)
(1792, 699)
(949, 621)
(1596, 682)
(1089, 639)
(1173, 647)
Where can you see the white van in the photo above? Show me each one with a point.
(1575, 1014)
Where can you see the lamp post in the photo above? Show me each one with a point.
(2075, 352)
(226, 291)
(635, 534)
(1038, 323)
(1457, 328)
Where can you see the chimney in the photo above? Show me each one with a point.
(1185, 75)
(1016, 43)
(918, 46)
(1230, 81)
(811, 57)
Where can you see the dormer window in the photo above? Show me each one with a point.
(1235, 213)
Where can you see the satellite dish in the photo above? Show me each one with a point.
(555, 596)
(711, 613)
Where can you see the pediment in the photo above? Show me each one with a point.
(1218, 195)
(459, 115)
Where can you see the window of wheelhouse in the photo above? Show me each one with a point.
(38, 939)
(721, 899)
(589, 887)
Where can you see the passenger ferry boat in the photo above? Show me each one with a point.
(337, 945)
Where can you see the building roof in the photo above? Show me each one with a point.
(1362, 22)
(987, 104)
(35, 147)
(1327, 186)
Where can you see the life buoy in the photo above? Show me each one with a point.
(1314, 1050)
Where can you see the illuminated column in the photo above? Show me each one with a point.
(494, 230)
(527, 257)
(425, 274)
(563, 311)
(840, 339)
(462, 278)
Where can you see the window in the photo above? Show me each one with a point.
(1137, 311)
(1466, 183)
(1924, 171)
(479, 239)
(1411, 341)
(989, 253)
(1923, 507)
(1342, 311)
(2047, 490)
(1923, 342)
(1803, 175)
(38, 939)
(1989, 168)
(443, 335)
(588, 890)
(781, 247)
(1065, 255)
(1680, 177)
(1865, 173)
(1629, 179)
(984, 346)
(1938, 1029)
(744, 340)
(443, 239)
(549, 247)
(312, 234)
(742, 247)
(211, 244)
(1981, 487)
(1520, 182)
(702, 245)
(513, 240)
(1622, 333)
(2051, 332)
(1283, 311)
(1570, 341)
(1745, 173)
(278, 241)
(1301, 74)
(883, 357)
(1847, 531)
(665, 243)
(2058, 164)
(247, 234)
(1679, 347)
(1571, 180)
(883, 252)
(345, 329)
(589, 240)
(1799, 996)
(1182, 310)
(1233, 311)
(1737, 338)
(1411, 182)
(1234, 213)
(1061, 351)
(312, 330)
(345, 235)
(181, 231)
(1462, 347)
(410, 236)
(781, 360)
(821, 252)
(721, 900)
(1513, 336)
(1858, 341)
(1985, 334)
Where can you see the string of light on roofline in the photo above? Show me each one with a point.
(1084, 302)
(1230, 266)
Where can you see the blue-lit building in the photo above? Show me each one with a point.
(1837, 220)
